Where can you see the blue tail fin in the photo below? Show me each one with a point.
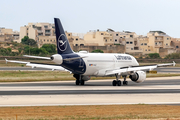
(63, 46)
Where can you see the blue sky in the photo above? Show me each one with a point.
(80, 16)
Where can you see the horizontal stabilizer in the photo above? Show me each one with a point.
(40, 65)
(46, 58)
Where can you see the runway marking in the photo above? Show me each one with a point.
(170, 70)
(150, 103)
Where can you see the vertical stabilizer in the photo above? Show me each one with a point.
(63, 46)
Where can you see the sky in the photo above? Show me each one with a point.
(80, 16)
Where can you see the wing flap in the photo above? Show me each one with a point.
(137, 68)
(124, 70)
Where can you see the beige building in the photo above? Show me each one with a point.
(6, 31)
(159, 39)
(8, 35)
(98, 38)
(128, 39)
(154, 42)
(175, 42)
(52, 39)
(38, 30)
(44, 33)
(160, 42)
(46, 40)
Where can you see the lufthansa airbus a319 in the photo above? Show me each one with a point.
(83, 65)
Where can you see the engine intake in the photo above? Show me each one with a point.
(138, 77)
(57, 58)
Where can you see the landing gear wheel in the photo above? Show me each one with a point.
(82, 82)
(114, 83)
(77, 82)
(119, 83)
(125, 82)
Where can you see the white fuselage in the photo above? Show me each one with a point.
(98, 63)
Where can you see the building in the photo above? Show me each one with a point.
(8, 35)
(52, 40)
(98, 38)
(175, 42)
(160, 42)
(44, 33)
(40, 32)
(128, 39)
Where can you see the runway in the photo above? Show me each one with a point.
(95, 92)
(159, 70)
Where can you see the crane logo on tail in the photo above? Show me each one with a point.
(62, 42)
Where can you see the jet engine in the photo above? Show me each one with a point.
(86, 78)
(83, 77)
(57, 59)
(138, 76)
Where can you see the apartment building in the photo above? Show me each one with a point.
(128, 39)
(44, 33)
(154, 42)
(98, 38)
(175, 42)
(52, 39)
(161, 42)
(8, 35)
(40, 32)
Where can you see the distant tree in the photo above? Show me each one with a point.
(26, 49)
(24, 40)
(35, 51)
(9, 49)
(27, 41)
(97, 51)
(43, 51)
(20, 50)
(50, 48)
(154, 55)
(173, 56)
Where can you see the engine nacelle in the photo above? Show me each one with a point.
(83, 77)
(86, 78)
(138, 77)
(57, 59)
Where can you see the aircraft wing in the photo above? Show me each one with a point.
(137, 68)
(40, 65)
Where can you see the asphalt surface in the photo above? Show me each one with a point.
(67, 92)
(77, 89)
(160, 70)
(95, 92)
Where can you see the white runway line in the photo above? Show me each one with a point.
(108, 99)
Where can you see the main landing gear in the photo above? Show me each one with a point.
(79, 81)
(118, 82)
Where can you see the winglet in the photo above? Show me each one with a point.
(174, 63)
(6, 60)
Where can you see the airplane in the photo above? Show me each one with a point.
(83, 65)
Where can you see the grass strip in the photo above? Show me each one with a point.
(97, 112)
